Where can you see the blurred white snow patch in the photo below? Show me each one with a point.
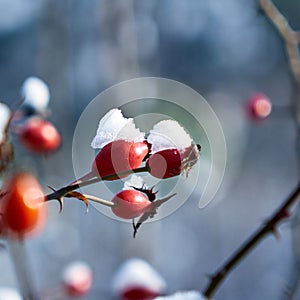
(4, 118)
(168, 134)
(36, 93)
(8, 293)
(77, 273)
(134, 181)
(114, 126)
(190, 295)
(136, 272)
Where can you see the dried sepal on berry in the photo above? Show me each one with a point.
(173, 152)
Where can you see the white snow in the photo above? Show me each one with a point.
(114, 126)
(138, 273)
(8, 293)
(190, 295)
(168, 134)
(4, 118)
(36, 93)
(76, 273)
(134, 180)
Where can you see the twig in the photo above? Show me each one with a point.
(268, 227)
(99, 200)
(292, 40)
(22, 269)
(60, 193)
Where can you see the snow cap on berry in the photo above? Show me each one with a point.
(36, 94)
(168, 134)
(136, 272)
(78, 276)
(4, 118)
(190, 295)
(114, 126)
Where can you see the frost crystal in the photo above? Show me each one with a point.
(113, 126)
(168, 134)
(36, 93)
(136, 272)
(190, 295)
(4, 118)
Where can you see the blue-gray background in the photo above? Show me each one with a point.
(225, 50)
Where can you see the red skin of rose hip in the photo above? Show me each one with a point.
(23, 209)
(130, 204)
(119, 156)
(259, 106)
(138, 293)
(39, 136)
(165, 163)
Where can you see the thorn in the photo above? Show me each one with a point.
(276, 233)
(61, 203)
(134, 228)
(51, 188)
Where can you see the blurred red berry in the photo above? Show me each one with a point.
(130, 204)
(39, 136)
(22, 205)
(119, 156)
(77, 279)
(259, 106)
(138, 293)
(137, 279)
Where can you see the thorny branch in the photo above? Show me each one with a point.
(269, 226)
(292, 40)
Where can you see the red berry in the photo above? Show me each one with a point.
(39, 136)
(77, 279)
(165, 163)
(138, 293)
(119, 156)
(259, 106)
(130, 204)
(22, 206)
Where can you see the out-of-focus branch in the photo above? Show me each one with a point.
(291, 39)
(290, 36)
(268, 227)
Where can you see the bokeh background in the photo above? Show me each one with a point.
(225, 50)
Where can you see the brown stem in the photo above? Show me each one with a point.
(268, 227)
(59, 194)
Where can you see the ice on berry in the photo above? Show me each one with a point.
(168, 134)
(4, 118)
(134, 181)
(36, 93)
(190, 295)
(136, 272)
(114, 126)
